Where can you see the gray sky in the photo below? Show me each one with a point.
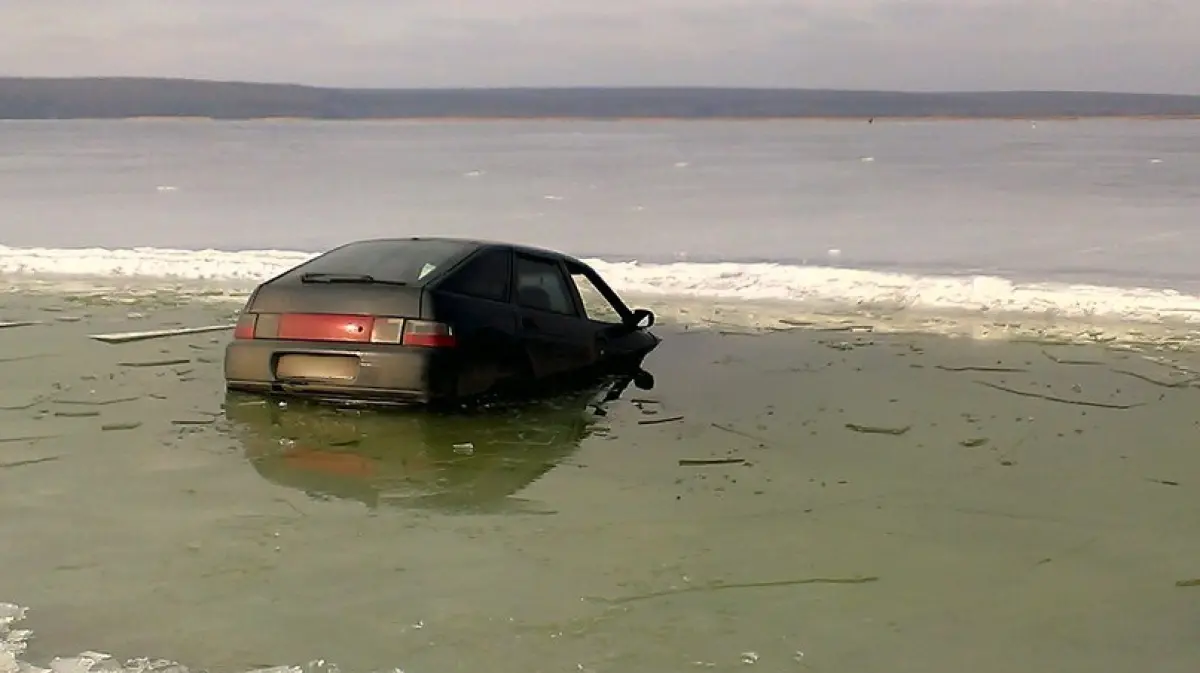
(1129, 45)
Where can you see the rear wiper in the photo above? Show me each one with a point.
(361, 278)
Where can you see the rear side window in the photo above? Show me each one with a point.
(406, 261)
(487, 276)
(542, 286)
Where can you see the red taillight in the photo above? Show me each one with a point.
(428, 334)
(245, 326)
(323, 327)
(329, 462)
(346, 328)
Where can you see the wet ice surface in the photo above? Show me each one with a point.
(14, 641)
(811, 500)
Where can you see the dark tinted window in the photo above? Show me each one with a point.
(408, 261)
(541, 285)
(486, 276)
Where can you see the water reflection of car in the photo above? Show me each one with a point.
(467, 461)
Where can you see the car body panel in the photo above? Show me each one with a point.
(411, 373)
(558, 338)
(556, 344)
(488, 349)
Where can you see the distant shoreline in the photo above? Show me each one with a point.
(649, 120)
(142, 98)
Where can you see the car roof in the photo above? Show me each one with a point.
(476, 244)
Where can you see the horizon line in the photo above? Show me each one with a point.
(589, 87)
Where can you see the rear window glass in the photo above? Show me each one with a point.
(409, 261)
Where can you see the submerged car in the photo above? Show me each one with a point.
(424, 320)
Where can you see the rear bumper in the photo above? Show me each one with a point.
(384, 373)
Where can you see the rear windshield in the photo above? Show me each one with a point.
(406, 261)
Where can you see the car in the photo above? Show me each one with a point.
(425, 320)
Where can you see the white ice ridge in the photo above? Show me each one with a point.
(253, 265)
(13, 643)
(811, 285)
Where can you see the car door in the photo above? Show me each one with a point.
(558, 338)
(475, 299)
(602, 308)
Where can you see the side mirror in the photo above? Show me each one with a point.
(644, 380)
(642, 319)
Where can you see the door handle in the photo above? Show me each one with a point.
(528, 322)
